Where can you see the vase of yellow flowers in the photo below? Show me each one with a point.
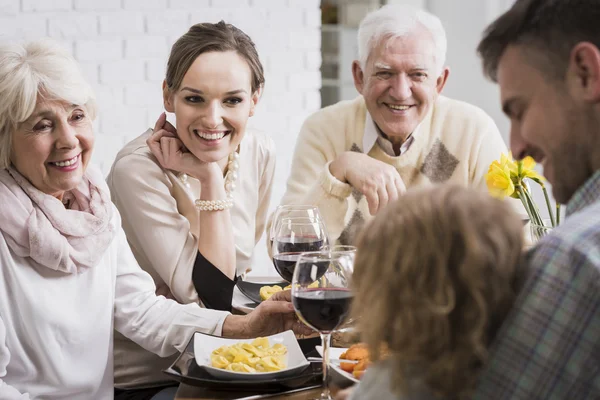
(510, 178)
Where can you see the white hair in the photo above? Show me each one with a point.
(398, 20)
(37, 68)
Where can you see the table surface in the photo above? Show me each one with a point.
(187, 392)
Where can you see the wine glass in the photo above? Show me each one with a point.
(295, 236)
(292, 211)
(343, 248)
(321, 296)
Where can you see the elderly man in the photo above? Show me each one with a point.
(545, 55)
(354, 157)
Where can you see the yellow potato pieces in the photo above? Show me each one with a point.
(266, 292)
(258, 356)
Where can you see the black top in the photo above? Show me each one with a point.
(214, 288)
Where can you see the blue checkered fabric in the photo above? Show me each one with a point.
(549, 346)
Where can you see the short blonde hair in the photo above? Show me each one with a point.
(435, 276)
(35, 69)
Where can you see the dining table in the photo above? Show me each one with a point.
(242, 305)
(187, 392)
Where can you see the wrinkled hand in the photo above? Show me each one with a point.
(172, 154)
(379, 182)
(275, 315)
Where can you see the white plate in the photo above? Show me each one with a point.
(336, 352)
(205, 344)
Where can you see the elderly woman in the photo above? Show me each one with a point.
(194, 197)
(67, 275)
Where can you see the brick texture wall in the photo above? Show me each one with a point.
(123, 47)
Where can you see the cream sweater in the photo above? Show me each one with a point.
(456, 143)
(161, 223)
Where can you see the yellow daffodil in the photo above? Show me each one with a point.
(498, 180)
(528, 170)
(507, 178)
(507, 160)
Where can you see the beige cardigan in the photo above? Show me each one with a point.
(161, 223)
(456, 142)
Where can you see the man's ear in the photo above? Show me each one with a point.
(442, 79)
(255, 99)
(359, 76)
(583, 73)
(167, 98)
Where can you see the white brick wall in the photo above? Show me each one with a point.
(123, 46)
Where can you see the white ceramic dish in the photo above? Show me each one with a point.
(205, 344)
(336, 352)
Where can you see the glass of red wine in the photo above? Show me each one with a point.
(295, 236)
(321, 296)
(292, 211)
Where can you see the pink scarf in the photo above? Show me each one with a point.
(37, 225)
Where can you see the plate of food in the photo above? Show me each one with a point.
(346, 374)
(250, 359)
(185, 370)
(260, 291)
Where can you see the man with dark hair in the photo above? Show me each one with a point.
(545, 55)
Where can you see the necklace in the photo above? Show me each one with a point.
(231, 177)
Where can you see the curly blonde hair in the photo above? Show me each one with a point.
(439, 267)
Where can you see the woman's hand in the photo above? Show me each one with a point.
(271, 316)
(172, 154)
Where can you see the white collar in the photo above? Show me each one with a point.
(371, 135)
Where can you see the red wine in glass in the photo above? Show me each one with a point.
(299, 244)
(323, 309)
(285, 264)
(289, 250)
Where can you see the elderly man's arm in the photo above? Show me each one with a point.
(491, 147)
(549, 345)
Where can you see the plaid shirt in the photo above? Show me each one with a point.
(549, 346)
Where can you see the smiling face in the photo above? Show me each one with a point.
(53, 147)
(213, 104)
(400, 83)
(550, 121)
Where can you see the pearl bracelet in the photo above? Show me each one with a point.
(214, 205)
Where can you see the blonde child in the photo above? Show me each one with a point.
(435, 275)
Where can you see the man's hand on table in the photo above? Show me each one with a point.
(271, 316)
(379, 182)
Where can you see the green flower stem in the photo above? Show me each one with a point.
(549, 206)
(535, 208)
(534, 213)
(526, 204)
(557, 214)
